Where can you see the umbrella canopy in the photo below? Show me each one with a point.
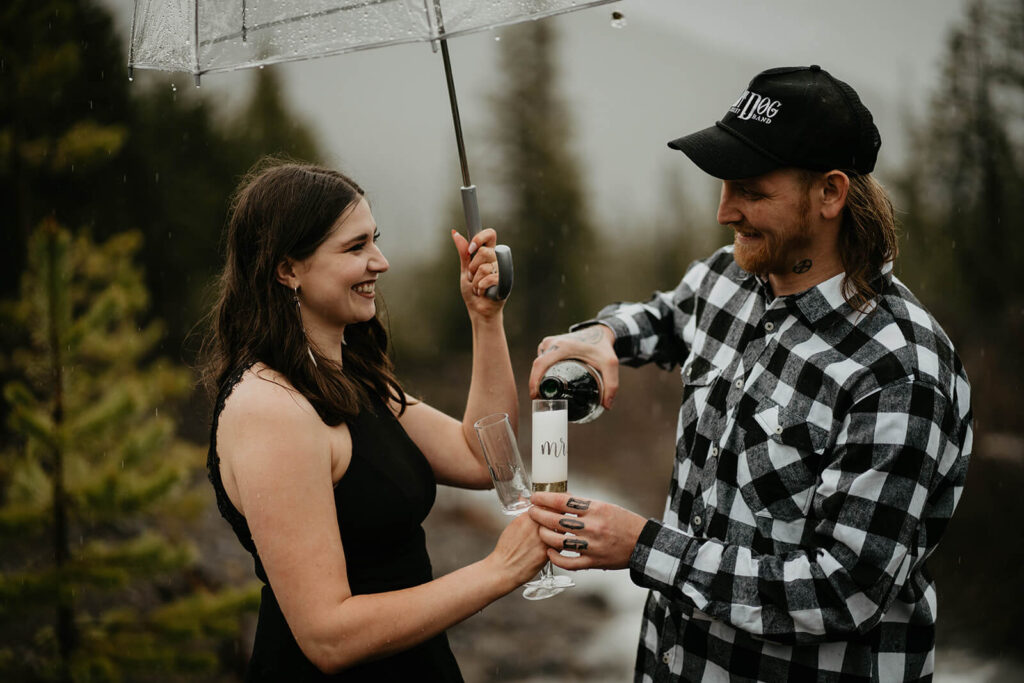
(204, 36)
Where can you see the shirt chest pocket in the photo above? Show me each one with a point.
(699, 377)
(777, 472)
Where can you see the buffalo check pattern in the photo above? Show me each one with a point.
(820, 454)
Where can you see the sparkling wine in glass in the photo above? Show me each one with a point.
(550, 473)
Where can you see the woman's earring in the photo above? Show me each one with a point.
(298, 309)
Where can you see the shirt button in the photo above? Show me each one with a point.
(739, 383)
(697, 519)
(769, 326)
(664, 658)
(714, 451)
(688, 371)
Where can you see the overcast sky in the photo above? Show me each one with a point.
(675, 67)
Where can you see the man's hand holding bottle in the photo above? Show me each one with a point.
(593, 345)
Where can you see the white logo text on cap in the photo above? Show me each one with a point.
(754, 107)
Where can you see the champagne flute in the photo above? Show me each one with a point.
(511, 482)
(550, 473)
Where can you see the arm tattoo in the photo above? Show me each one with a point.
(577, 504)
(590, 335)
(802, 266)
(576, 544)
(570, 523)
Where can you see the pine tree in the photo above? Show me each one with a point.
(81, 144)
(962, 213)
(94, 582)
(967, 228)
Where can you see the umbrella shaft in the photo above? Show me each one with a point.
(455, 113)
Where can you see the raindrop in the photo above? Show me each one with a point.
(618, 20)
(497, 39)
(131, 79)
(261, 66)
(174, 88)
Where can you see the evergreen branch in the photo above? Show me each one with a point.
(146, 555)
(18, 520)
(145, 441)
(206, 614)
(27, 416)
(26, 590)
(116, 405)
(111, 496)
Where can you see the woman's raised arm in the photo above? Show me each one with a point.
(452, 447)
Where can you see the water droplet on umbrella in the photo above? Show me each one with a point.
(497, 38)
(618, 20)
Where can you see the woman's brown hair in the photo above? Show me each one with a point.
(286, 210)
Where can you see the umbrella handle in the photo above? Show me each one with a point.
(470, 207)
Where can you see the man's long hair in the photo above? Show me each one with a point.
(867, 236)
(280, 211)
(867, 239)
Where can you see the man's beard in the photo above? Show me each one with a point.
(775, 253)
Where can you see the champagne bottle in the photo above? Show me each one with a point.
(579, 384)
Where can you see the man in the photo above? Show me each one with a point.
(825, 426)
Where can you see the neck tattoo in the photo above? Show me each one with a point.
(802, 266)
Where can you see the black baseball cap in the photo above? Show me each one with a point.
(788, 116)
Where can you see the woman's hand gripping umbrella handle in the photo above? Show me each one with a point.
(470, 207)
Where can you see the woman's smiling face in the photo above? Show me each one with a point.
(338, 281)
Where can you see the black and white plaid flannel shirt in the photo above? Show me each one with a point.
(820, 453)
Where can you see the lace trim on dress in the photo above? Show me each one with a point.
(224, 504)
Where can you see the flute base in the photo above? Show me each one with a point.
(547, 587)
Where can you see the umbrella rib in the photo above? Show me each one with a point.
(292, 20)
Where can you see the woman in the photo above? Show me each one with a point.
(321, 463)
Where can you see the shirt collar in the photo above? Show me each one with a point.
(821, 302)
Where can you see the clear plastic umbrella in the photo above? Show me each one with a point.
(207, 36)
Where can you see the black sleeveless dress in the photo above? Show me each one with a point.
(381, 501)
